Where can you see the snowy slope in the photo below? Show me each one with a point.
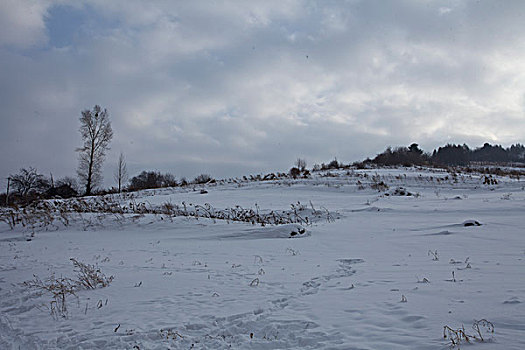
(375, 274)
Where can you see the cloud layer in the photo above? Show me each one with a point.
(237, 87)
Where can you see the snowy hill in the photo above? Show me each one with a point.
(358, 259)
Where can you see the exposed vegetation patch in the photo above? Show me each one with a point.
(88, 277)
(483, 329)
(53, 214)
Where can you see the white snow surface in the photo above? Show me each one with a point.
(182, 282)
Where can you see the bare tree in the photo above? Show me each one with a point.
(28, 180)
(96, 132)
(121, 174)
(300, 164)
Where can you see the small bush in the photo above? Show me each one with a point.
(202, 179)
(334, 164)
(295, 172)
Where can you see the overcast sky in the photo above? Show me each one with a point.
(238, 87)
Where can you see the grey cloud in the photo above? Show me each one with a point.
(235, 87)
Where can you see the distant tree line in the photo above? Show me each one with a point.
(450, 155)
(463, 155)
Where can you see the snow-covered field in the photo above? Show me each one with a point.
(379, 272)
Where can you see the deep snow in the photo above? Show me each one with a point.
(376, 274)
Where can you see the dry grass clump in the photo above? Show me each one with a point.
(458, 336)
(88, 277)
(60, 288)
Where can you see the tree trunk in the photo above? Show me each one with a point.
(90, 168)
(7, 193)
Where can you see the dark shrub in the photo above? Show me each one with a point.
(202, 179)
(295, 172)
(151, 179)
(62, 191)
